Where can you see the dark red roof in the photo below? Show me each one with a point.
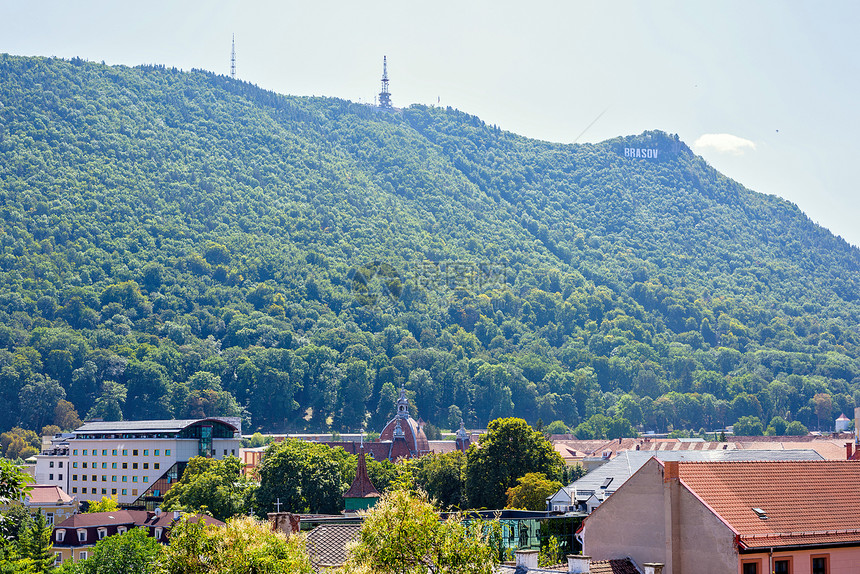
(361, 486)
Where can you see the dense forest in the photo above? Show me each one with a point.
(181, 244)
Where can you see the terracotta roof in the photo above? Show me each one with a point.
(361, 486)
(47, 494)
(624, 566)
(805, 502)
(327, 544)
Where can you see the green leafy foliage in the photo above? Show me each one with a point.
(213, 487)
(531, 491)
(402, 534)
(510, 449)
(183, 244)
(132, 552)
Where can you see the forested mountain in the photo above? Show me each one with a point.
(179, 244)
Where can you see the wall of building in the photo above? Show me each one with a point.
(841, 560)
(652, 521)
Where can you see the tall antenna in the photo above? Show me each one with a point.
(233, 59)
(384, 95)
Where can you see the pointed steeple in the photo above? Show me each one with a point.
(361, 488)
(402, 404)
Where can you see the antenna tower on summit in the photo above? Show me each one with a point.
(233, 59)
(385, 95)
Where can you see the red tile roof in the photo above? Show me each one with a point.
(47, 494)
(806, 502)
(361, 486)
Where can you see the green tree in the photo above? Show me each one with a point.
(35, 544)
(510, 449)
(106, 504)
(777, 427)
(132, 552)
(531, 491)
(306, 477)
(443, 478)
(214, 487)
(796, 428)
(748, 426)
(243, 546)
(13, 482)
(402, 534)
(556, 427)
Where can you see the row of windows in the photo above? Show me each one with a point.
(124, 491)
(105, 478)
(134, 452)
(51, 477)
(785, 565)
(59, 464)
(155, 465)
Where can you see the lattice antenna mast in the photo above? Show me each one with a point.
(233, 59)
(384, 95)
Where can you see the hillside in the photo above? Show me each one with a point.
(180, 244)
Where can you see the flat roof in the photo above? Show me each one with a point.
(175, 425)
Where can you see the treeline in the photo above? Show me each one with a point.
(181, 244)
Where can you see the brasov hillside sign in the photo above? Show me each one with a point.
(640, 152)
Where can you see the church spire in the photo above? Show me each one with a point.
(402, 404)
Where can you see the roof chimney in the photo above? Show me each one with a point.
(528, 559)
(849, 448)
(653, 568)
(578, 564)
(177, 514)
(670, 470)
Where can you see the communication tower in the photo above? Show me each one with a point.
(385, 95)
(233, 59)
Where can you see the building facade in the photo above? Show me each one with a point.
(135, 462)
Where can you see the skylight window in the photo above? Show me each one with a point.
(760, 513)
(606, 482)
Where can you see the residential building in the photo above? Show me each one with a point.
(75, 537)
(743, 517)
(587, 493)
(135, 461)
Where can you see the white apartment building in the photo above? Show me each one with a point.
(134, 461)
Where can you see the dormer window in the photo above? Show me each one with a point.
(121, 530)
(158, 533)
(82, 535)
(61, 535)
(102, 533)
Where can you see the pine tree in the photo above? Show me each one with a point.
(35, 544)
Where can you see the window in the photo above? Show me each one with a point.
(85, 464)
(156, 452)
(782, 565)
(85, 452)
(58, 557)
(158, 533)
(50, 477)
(121, 530)
(60, 464)
(167, 452)
(95, 478)
(145, 465)
(104, 465)
(134, 479)
(74, 490)
(104, 491)
(145, 479)
(82, 555)
(156, 465)
(82, 535)
(75, 477)
(75, 465)
(124, 491)
(75, 452)
(124, 452)
(113, 478)
(751, 567)
(113, 451)
(124, 478)
(134, 452)
(104, 452)
(113, 491)
(113, 465)
(233, 451)
(134, 466)
(102, 533)
(821, 564)
(51, 464)
(124, 465)
(146, 452)
(60, 477)
(104, 478)
(84, 489)
(49, 518)
(134, 492)
(61, 535)
(225, 452)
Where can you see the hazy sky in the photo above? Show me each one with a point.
(766, 91)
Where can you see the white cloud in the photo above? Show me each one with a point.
(724, 143)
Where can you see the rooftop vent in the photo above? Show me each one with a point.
(760, 513)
